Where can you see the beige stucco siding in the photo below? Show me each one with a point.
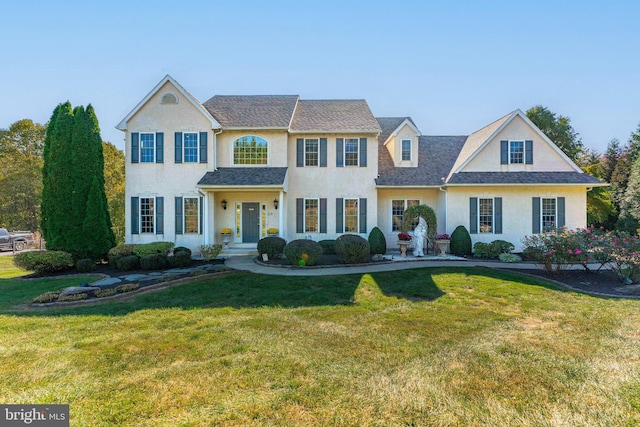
(545, 157)
(331, 182)
(517, 209)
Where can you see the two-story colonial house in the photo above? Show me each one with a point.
(320, 168)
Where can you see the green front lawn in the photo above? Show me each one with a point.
(433, 346)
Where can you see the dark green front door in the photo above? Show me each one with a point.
(250, 222)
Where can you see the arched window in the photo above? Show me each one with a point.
(250, 150)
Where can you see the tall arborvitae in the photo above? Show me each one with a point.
(57, 179)
(73, 161)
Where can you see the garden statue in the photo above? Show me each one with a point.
(419, 236)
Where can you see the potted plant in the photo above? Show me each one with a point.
(226, 235)
(404, 240)
(442, 240)
(272, 232)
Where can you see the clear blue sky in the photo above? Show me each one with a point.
(453, 66)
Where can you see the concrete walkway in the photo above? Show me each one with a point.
(246, 263)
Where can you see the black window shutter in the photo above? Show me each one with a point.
(179, 221)
(323, 215)
(159, 147)
(535, 214)
(363, 152)
(135, 147)
(528, 152)
(339, 217)
(201, 214)
(504, 152)
(135, 215)
(323, 152)
(204, 147)
(178, 147)
(363, 214)
(159, 215)
(299, 215)
(497, 206)
(473, 215)
(561, 217)
(300, 152)
(340, 152)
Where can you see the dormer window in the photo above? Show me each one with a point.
(406, 150)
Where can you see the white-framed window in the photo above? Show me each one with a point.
(311, 215)
(250, 150)
(191, 215)
(311, 151)
(485, 215)
(351, 151)
(406, 149)
(190, 147)
(549, 213)
(351, 215)
(147, 147)
(397, 211)
(516, 152)
(147, 214)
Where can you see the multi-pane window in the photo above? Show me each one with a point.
(250, 150)
(147, 214)
(190, 147)
(406, 149)
(351, 152)
(351, 215)
(311, 152)
(191, 217)
(397, 211)
(548, 213)
(485, 215)
(311, 215)
(147, 144)
(516, 152)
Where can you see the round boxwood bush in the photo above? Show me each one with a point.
(460, 241)
(118, 252)
(352, 249)
(377, 242)
(328, 246)
(180, 259)
(303, 252)
(181, 249)
(44, 262)
(272, 246)
(127, 263)
(154, 262)
(85, 265)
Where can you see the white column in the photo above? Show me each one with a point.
(281, 208)
(207, 237)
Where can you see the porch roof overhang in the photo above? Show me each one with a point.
(245, 179)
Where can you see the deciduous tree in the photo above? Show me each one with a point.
(558, 129)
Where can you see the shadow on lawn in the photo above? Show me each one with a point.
(247, 290)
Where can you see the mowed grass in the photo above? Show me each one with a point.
(463, 346)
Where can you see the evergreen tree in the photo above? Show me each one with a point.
(630, 202)
(96, 229)
(610, 160)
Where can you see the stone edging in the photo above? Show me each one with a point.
(261, 263)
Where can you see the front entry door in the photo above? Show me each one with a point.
(250, 222)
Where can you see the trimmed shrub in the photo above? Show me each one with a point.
(118, 252)
(180, 259)
(209, 252)
(482, 250)
(502, 247)
(352, 249)
(73, 297)
(85, 265)
(127, 263)
(102, 293)
(377, 242)
(328, 246)
(426, 212)
(509, 257)
(181, 249)
(47, 297)
(127, 288)
(44, 262)
(493, 249)
(163, 248)
(154, 262)
(460, 241)
(303, 252)
(272, 246)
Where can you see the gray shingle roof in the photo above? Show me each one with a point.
(390, 124)
(254, 176)
(522, 178)
(436, 155)
(258, 111)
(336, 116)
